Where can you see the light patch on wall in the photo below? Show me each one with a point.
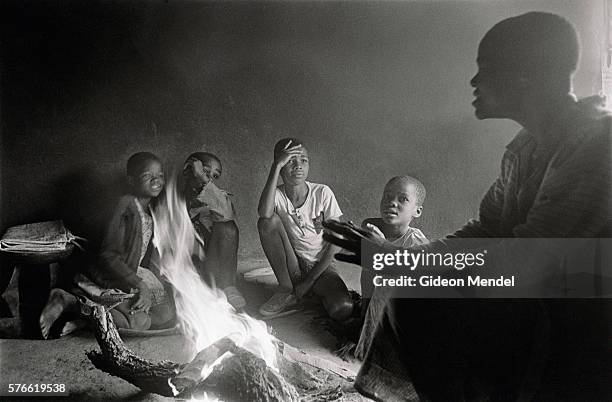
(607, 54)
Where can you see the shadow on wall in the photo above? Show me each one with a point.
(85, 202)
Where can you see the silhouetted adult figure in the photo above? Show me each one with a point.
(554, 183)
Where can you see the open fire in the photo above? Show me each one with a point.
(233, 357)
(204, 314)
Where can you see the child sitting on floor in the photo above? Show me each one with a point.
(213, 217)
(125, 253)
(290, 229)
(402, 201)
(128, 259)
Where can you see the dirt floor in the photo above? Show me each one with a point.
(63, 361)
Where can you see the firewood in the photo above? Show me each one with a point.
(241, 376)
(116, 359)
(190, 374)
(246, 377)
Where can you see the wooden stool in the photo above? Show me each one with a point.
(34, 284)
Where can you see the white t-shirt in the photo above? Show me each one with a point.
(412, 237)
(304, 224)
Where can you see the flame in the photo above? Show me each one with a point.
(205, 398)
(203, 313)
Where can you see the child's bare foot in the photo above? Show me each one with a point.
(59, 302)
(72, 326)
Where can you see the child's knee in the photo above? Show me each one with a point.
(339, 308)
(227, 231)
(268, 225)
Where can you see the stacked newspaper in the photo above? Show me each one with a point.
(36, 237)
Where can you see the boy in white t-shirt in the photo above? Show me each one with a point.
(291, 233)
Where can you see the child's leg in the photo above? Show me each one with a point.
(221, 253)
(279, 251)
(73, 325)
(336, 297)
(59, 302)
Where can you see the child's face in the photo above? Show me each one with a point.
(150, 181)
(212, 169)
(399, 203)
(295, 172)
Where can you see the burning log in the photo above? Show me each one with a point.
(237, 374)
(191, 375)
(245, 377)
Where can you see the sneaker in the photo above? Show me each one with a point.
(234, 297)
(278, 303)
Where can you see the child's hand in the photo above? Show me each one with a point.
(143, 301)
(197, 169)
(289, 152)
(375, 230)
(318, 222)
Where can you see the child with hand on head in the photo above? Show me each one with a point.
(128, 260)
(401, 202)
(291, 234)
(213, 216)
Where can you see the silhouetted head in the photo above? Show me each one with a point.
(531, 54)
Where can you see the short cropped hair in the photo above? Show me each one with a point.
(535, 43)
(418, 186)
(137, 162)
(204, 156)
(281, 144)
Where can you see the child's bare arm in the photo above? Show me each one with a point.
(266, 201)
(326, 259)
(194, 167)
(324, 262)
